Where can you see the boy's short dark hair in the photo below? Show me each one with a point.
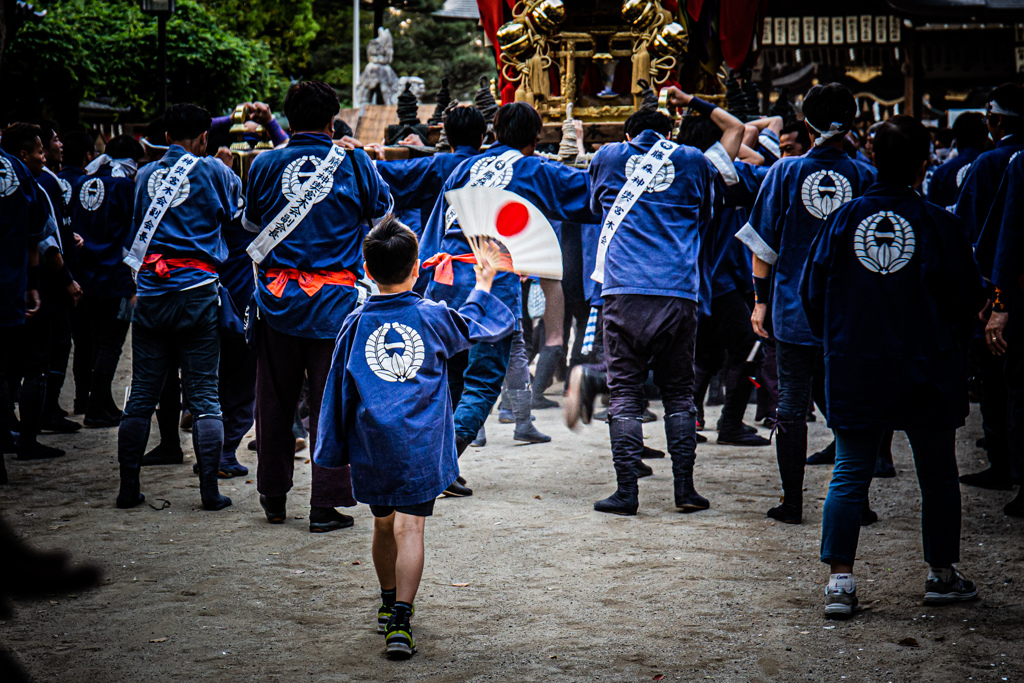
(517, 125)
(800, 128)
(828, 104)
(465, 127)
(185, 122)
(970, 131)
(77, 144)
(311, 105)
(902, 144)
(698, 131)
(20, 137)
(645, 119)
(125, 147)
(390, 251)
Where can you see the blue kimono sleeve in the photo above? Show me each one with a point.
(377, 191)
(483, 318)
(411, 181)
(570, 188)
(814, 279)
(763, 230)
(338, 407)
(967, 205)
(768, 146)
(1008, 260)
(433, 231)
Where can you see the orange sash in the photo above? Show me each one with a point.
(310, 282)
(163, 266)
(444, 272)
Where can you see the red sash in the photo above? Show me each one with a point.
(310, 282)
(163, 266)
(444, 272)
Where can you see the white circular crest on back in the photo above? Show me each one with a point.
(156, 179)
(8, 177)
(825, 191)
(297, 172)
(394, 367)
(662, 180)
(884, 242)
(91, 194)
(962, 174)
(65, 190)
(483, 170)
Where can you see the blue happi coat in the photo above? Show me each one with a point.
(978, 191)
(69, 177)
(386, 409)
(24, 221)
(561, 193)
(1008, 257)
(329, 238)
(795, 198)
(102, 213)
(892, 289)
(657, 249)
(732, 263)
(416, 183)
(210, 198)
(949, 177)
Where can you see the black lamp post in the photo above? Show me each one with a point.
(161, 9)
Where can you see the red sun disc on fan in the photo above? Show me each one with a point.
(512, 219)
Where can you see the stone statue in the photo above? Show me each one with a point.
(379, 82)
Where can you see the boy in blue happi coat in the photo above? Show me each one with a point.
(892, 289)
(796, 197)
(387, 412)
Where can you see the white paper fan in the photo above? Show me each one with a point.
(513, 221)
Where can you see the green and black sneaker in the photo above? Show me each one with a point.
(383, 614)
(398, 642)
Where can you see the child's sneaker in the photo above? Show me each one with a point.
(398, 641)
(384, 614)
(953, 587)
(840, 603)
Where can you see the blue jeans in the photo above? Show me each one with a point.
(474, 381)
(937, 475)
(801, 373)
(179, 329)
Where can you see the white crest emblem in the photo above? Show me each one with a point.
(396, 367)
(156, 179)
(884, 242)
(962, 173)
(8, 177)
(65, 190)
(494, 166)
(91, 195)
(662, 180)
(825, 191)
(297, 172)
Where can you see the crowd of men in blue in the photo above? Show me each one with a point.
(689, 246)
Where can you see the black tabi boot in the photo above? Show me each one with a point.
(168, 451)
(701, 381)
(33, 397)
(731, 430)
(791, 452)
(101, 411)
(826, 456)
(481, 438)
(208, 442)
(681, 435)
(458, 488)
(651, 453)
(522, 399)
(627, 436)
(132, 435)
(547, 363)
(54, 418)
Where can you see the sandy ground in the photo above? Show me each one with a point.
(548, 588)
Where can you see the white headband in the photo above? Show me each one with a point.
(994, 108)
(833, 130)
(120, 168)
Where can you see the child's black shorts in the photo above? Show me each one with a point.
(418, 510)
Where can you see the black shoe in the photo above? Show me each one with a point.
(868, 516)
(1015, 508)
(322, 520)
(461, 479)
(788, 512)
(742, 437)
(584, 386)
(651, 453)
(481, 438)
(730, 429)
(701, 438)
(129, 496)
(457, 490)
(275, 508)
(101, 420)
(643, 470)
(58, 424)
(619, 503)
(648, 417)
(826, 456)
(991, 478)
(251, 445)
(164, 454)
(957, 589)
(543, 403)
(37, 451)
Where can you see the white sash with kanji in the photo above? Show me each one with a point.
(298, 206)
(493, 171)
(169, 189)
(635, 186)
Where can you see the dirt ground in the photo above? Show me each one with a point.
(523, 581)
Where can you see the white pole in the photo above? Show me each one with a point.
(355, 54)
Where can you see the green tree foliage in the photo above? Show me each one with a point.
(107, 49)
